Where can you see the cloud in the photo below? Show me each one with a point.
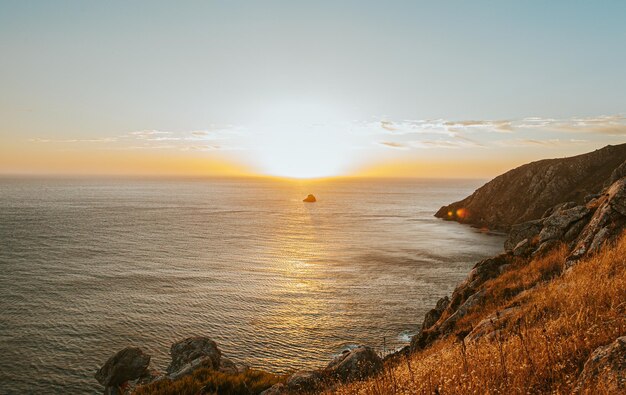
(612, 125)
(391, 144)
(537, 142)
(204, 147)
(96, 140)
(388, 125)
(459, 142)
(159, 139)
(154, 135)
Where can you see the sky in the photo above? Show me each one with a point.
(307, 89)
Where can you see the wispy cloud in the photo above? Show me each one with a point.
(96, 140)
(613, 125)
(159, 139)
(605, 124)
(537, 142)
(391, 144)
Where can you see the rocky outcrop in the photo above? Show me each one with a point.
(583, 228)
(466, 296)
(525, 193)
(130, 363)
(355, 364)
(309, 199)
(191, 353)
(130, 367)
(303, 381)
(433, 315)
(608, 220)
(605, 369)
(491, 326)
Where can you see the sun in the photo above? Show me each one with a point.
(302, 140)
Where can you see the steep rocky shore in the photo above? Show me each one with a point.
(581, 229)
(526, 192)
(560, 214)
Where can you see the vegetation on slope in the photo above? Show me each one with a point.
(208, 381)
(558, 321)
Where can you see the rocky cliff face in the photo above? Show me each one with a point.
(581, 229)
(525, 193)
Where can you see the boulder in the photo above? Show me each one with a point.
(355, 364)
(304, 380)
(605, 369)
(191, 353)
(127, 364)
(309, 199)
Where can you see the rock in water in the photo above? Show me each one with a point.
(310, 199)
(191, 353)
(128, 364)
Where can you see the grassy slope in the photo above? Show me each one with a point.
(542, 348)
(208, 381)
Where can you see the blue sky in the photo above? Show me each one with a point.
(253, 73)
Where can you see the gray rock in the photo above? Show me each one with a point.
(228, 366)
(591, 197)
(619, 172)
(605, 368)
(545, 247)
(473, 300)
(605, 225)
(127, 364)
(488, 327)
(355, 364)
(191, 353)
(433, 315)
(304, 380)
(524, 231)
(522, 248)
(574, 230)
(190, 367)
(555, 226)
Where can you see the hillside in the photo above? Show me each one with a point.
(537, 331)
(546, 316)
(526, 192)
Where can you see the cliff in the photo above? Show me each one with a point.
(526, 192)
(546, 316)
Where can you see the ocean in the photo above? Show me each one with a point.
(88, 267)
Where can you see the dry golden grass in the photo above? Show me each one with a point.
(208, 381)
(541, 350)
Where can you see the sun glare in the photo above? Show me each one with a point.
(302, 140)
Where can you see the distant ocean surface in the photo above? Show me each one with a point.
(88, 267)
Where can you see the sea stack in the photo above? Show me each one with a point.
(310, 199)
